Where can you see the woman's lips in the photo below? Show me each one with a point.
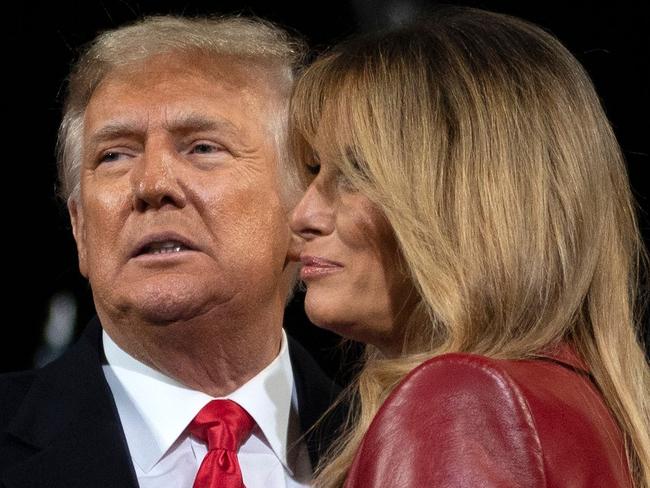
(316, 267)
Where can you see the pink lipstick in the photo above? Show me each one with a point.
(316, 267)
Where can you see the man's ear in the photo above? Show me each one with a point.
(75, 210)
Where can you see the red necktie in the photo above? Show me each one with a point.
(224, 425)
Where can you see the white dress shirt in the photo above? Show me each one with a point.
(155, 411)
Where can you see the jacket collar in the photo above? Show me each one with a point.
(566, 355)
(69, 420)
(316, 394)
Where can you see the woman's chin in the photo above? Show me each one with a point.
(330, 315)
(357, 316)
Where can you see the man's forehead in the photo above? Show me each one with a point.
(188, 100)
(230, 73)
(174, 88)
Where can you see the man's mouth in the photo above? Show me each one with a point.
(164, 247)
(162, 244)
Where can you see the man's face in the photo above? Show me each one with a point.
(180, 209)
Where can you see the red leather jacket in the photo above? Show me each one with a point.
(461, 420)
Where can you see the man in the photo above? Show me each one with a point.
(171, 156)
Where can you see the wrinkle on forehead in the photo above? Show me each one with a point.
(249, 77)
(258, 86)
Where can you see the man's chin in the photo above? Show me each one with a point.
(160, 308)
(166, 314)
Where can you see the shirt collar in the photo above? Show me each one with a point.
(156, 409)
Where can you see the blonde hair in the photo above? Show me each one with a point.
(251, 40)
(483, 142)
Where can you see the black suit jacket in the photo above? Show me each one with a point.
(60, 426)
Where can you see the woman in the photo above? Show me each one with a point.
(470, 219)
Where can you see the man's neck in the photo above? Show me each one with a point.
(208, 354)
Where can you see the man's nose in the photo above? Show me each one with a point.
(314, 214)
(155, 179)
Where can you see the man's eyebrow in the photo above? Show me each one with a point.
(181, 125)
(116, 130)
(190, 123)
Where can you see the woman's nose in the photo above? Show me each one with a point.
(313, 216)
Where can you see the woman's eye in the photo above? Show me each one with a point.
(313, 169)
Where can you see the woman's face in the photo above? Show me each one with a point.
(356, 286)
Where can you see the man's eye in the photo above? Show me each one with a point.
(111, 156)
(204, 148)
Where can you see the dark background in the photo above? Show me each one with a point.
(42, 39)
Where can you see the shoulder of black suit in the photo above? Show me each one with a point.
(59, 425)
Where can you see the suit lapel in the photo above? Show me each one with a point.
(70, 421)
(316, 393)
